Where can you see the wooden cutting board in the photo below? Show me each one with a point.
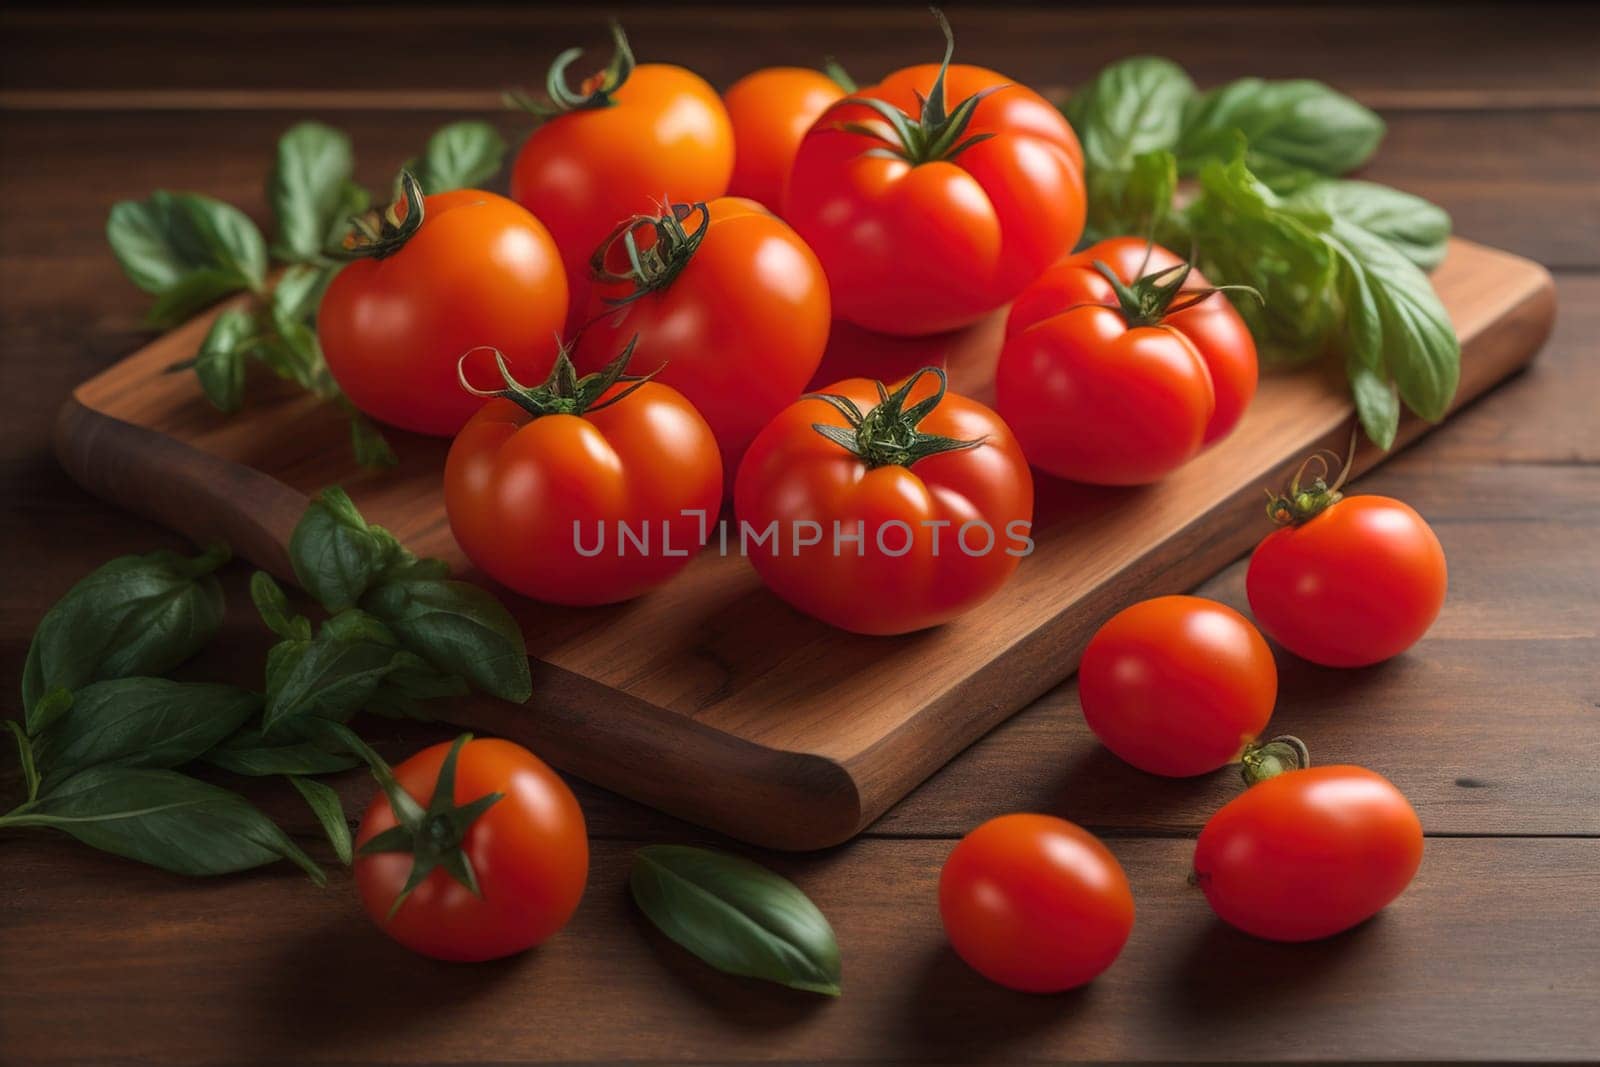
(710, 698)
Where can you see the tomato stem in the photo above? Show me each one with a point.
(1150, 298)
(887, 436)
(380, 233)
(1298, 504)
(563, 392)
(1258, 762)
(657, 266)
(596, 91)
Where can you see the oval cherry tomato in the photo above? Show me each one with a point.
(584, 495)
(726, 300)
(1035, 903)
(1308, 853)
(1212, 326)
(630, 136)
(771, 110)
(527, 852)
(1349, 581)
(393, 328)
(908, 510)
(1177, 685)
(926, 217)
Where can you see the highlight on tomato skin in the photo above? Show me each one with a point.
(1035, 903)
(1308, 853)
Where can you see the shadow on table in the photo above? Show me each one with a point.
(956, 1011)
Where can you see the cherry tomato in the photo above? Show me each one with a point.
(1177, 685)
(1347, 581)
(1308, 853)
(527, 852)
(1035, 903)
(586, 492)
(726, 299)
(904, 511)
(771, 110)
(630, 136)
(393, 327)
(1213, 327)
(926, 217)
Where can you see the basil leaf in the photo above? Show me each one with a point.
(367, 442)
(1130, 108)
(30, 772)
(220, 363)
(325, 805)
(405, 691)
(1301, 123)
(136, 615)
(309, 189)
(249, 752)
(334, 552)
(140, 722)
(186, 249)
(460, 156)
(165, 819)
(1137, 200)
(460, 629)
(333, 675)
(1417, 229)
(298, 294)
(272, 604)
(737, 916)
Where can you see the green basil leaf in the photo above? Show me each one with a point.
(192, 294)
(405, 691)
(460, 156)
(334, 552)
(220, 363)
(140, 722)
(333, 676)
(737, 916)
(1416, 228)
(136, 615)
(459, 628)
(1133, 201)
(308, 189)
(1130, 108)
(367, 442)
(1300, 123)
(186, 249)
(272, 604)
(50, 707)
(325, 805)
(298, 294)
(165, 819)
(250, 752)
(30, 771)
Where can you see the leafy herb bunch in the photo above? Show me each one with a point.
(1341, 264)
(190, 250)
(103, 735)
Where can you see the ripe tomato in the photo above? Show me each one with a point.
(771, 110)
(393, 327)
(1035, 903)
(885, 513)
(496, 838)
(926, 216)
(1346, 581)
(725, 298)
(1308, 853)
(1212, 326)
(583, 491)
(1177, 685)
(630, 136)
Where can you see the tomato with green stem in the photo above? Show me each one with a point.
(630, 134)
(725, 297)
(395, 321)
(472, 850)
(771, 109)
(1177, 685)
(1120, 365)
(583, 490)
(927, 215)
(1307, 852)
(1035, 903)
(884, 512)
(1345, 581)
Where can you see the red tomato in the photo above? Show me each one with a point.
(1213, 326)
(527, 851)
(902, 518)
(926, 217)
(1348, 581)
(584, 495)
(1308, 853)
(727, 300)
(771, 110)
(631, 136)
(1035, 903)
(394, 327)
(1177, 685)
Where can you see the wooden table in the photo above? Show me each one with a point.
(1491, 725)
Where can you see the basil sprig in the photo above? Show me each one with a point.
(190, 251)
(737, 916)
(1340, 263)
(103, 741)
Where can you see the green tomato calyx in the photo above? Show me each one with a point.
(1269, 759)
(887, 436)
(657, 265)
(596, 91)
(382, 232)
(1299, 503)
(1153, 296)
(564, 392)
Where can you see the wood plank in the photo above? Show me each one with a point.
(1488, 956)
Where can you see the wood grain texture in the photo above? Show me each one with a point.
(709, 698)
